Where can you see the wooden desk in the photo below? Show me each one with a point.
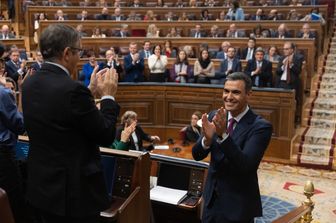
(178, 150)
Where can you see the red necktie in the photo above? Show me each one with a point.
(229, 130)
(288, 77)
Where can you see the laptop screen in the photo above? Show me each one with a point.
(174, 176)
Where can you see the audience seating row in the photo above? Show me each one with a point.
(72, 12)
(139, 28)
(305, 46)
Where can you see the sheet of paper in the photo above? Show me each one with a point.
(163, 147)
(167, 195)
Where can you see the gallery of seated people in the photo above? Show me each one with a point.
(176, 61)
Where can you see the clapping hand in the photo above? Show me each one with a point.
(155, 139)
(127, 132)
(107, 82)
(220, 121)
(208, 128)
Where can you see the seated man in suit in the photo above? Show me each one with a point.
(233, 32)
(14, 67)
(282, 32)
(236, 138)
(214, 32)
(39, 61)
(146, 51)
(117, 16)
(228, 66)
(83, 16)
(259, 69)
(136, 4)
(112, 62)
(260, 15)
(60, 15)
(133, 65)
(223, 54)
(123, 32)
(5, 33)
(306, 33)
(248, 52)
(197, 32)
(104, 15)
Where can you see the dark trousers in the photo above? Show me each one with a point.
(214, 214)
(45, 217)
(10, 181)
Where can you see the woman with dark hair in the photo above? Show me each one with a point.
(235, 12)
(181, 71)
(157, 64)
(272, 54)
(205, 15)
(130, 135)
(204, 68)
(169, 50)
(314, 15)
(89, 67)
(193, 131)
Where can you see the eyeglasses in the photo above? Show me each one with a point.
(80, 50)
(287, 48)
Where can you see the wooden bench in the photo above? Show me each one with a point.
(73, 11)
(306, 46)
(19, 42)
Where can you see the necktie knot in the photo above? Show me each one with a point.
(229, 130)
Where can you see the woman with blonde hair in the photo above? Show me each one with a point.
(152, 31)
(130, 134)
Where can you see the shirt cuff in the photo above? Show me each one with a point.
(224, 136)
(107, 97)
(203, 144)
(20, 71)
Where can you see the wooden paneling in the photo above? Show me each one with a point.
(177, 102)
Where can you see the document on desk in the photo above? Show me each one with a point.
(167, 195)
(163, 147)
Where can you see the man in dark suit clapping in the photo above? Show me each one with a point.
(236, 138)
(65, 181)
(259, 69)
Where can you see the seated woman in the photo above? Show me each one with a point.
(272, 54)
(157, 64)
(130, 135)
(89, 67)
(193, 131)
(97, 33)
(169, 50)
(204, 68)
(152, 31)
(181, 72)
(235, 13)
(172, 32)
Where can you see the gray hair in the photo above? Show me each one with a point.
(55, 38)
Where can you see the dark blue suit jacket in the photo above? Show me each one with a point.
(133, 72)
(265, 77)
(232, 176)
(236, 66)
(12, 70)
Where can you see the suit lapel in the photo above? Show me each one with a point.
(243, 125)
